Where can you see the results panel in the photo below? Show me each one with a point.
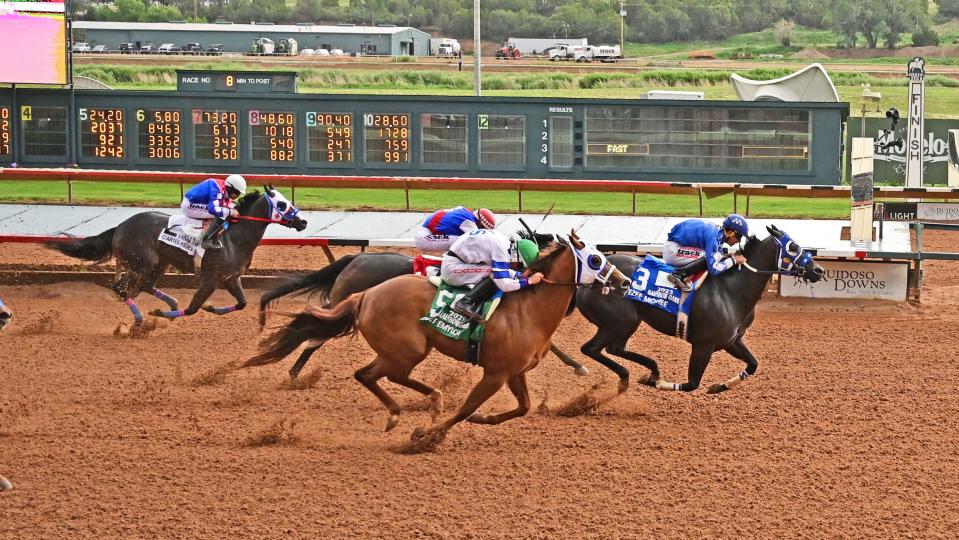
(160, 135)
(6, 133)
(329, 138)
(273, 137)
(216, 135)
(102, 135)
(387, 138)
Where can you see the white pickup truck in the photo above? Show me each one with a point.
(585, 53)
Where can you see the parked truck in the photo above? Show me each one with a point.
(447, 47)
(585, 53)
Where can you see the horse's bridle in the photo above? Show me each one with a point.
(793, 263)
(286, 217)
(603, 272)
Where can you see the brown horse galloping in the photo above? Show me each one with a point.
(388, 316)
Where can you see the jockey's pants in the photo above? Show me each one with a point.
(679, 256)
(428, 242)
(195, 210)
(458, 273)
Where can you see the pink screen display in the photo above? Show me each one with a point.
(34, 43)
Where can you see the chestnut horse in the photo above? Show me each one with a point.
(387, 315)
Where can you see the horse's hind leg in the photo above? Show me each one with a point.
(369, 376)
(433, 394)
(517, 385)
(311, 348)
(150, 287)
(127, 286)
(739, 350)
(580, 369)
(619, 349)
(234, 287)
(207, 287)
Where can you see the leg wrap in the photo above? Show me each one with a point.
(224, 310)
(134, 309)
(166, 298)
(172, 314)
(731, 383)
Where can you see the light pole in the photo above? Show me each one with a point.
(477, 82)
(566, 29)
(622, 29)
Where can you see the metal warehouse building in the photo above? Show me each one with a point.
(379, 40)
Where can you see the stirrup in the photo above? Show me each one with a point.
(679, 283)
(465, 309)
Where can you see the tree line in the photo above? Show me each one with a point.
(871, 23)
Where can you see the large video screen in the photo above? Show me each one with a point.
(34, 42)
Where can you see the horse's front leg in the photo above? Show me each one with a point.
(234, 287)
(698, 360)
(207, 287)
(739, 350)
(517, 385)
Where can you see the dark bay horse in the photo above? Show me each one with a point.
(355, 273)
(5, 315)
(722, 311)
(142, 258)
(387, 316)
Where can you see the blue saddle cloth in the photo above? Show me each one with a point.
(651, 286)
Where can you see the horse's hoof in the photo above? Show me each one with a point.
(157, 312)
(121, 331)
(392, 421)
(648, 380)
(477, 418)
(716, 388)
(209, 308)
(582, 371)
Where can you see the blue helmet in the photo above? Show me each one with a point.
(736, 222)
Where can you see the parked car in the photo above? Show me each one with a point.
(100, 49)
(168, 48)
(81, 47)
(215, 48)
(128, 48)
(192, 48)
(147, 49)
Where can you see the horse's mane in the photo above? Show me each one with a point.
(752, 244)
(244, 203)
(546, 256)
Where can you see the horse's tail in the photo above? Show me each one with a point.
(319, 282)
(313, 323)
(97, 248)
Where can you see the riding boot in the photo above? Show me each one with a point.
(210, 240)
(679, 276)
(471, 304)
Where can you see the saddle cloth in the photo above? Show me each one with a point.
(451, 324)
(184, 233)
(651, 286)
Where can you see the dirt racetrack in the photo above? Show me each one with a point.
(849, 429)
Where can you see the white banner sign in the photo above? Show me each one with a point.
(844, 279)
(915, 129)
(937, 211)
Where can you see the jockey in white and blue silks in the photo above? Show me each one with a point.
(483, 258)
(443, 227)
(695, 245)
(213, 199)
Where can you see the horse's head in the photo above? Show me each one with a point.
(5, 315)
(592, 265)
(282, 211)
(793, 259)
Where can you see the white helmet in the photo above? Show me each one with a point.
(236, 182)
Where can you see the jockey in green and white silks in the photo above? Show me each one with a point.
(483, 258)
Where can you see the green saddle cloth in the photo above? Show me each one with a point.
(451, 324)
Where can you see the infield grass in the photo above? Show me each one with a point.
(167, 195)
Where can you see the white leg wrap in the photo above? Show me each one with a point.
(663, 385)
(731, 383)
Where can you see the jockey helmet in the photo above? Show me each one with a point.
(485, 218)
(736, 222)
(528, 251)
(236, 182)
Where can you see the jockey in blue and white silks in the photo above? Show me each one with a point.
(213, 199)
(695, 245)
(443, 227)
(5, 315)
(483, 258)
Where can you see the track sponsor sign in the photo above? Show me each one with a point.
(853, 279)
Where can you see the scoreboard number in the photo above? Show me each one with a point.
(102, 133)
(387, 137)
(273, 136)
(159, 134)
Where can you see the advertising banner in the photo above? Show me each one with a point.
(889, 161)
(853, 279)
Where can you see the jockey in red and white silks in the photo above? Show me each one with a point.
(213, 199)
(443, 227)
